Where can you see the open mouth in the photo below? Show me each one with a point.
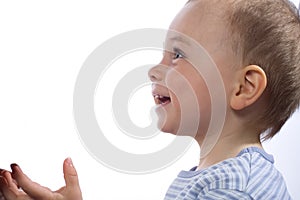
(161, 100)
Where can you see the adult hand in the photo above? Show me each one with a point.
(10, 184)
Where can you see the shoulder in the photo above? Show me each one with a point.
(231, 174)
(250, 174)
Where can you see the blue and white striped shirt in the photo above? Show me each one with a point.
(250, 175)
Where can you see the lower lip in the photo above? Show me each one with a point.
(164, 104)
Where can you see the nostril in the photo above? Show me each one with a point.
(154, 74)
(153, 78)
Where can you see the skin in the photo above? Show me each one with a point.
(10, 182)
(244, 85)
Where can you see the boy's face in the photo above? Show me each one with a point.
(176, 81)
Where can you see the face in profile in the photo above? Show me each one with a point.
(183, 100)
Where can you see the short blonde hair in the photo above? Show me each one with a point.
(267, 33)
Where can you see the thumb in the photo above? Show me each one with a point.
(70, 174)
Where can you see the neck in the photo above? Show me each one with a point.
(228, 146)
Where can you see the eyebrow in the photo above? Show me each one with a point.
(180, 39)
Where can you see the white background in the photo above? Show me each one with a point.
(42, 47)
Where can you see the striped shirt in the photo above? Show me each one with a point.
(250, 175)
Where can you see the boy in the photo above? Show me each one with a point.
(256, 48)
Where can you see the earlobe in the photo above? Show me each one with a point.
(251, 82)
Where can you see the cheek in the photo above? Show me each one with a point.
(203, 100)
(188, 87)
(183, 94)
(203, 94)
(191, 100)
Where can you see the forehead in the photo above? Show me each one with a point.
(201, 20)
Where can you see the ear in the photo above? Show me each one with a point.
(249, 86)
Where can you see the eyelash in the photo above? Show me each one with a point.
(177, 54)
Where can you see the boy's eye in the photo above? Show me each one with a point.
(177, 54)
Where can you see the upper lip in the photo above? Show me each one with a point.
(159, 91)
(160, 94)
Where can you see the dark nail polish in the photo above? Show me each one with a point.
(14, 167)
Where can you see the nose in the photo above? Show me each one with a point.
(155, 73)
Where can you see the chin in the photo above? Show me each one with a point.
(164, 127)
(168, 131)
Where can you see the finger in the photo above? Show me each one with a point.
(70, 174)
(34, 190)
(72, 189)
(10, 181)
(4, 189)
(10, 193)
(2, 171)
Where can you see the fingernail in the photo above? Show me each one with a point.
(14, 167)
(69, 162)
